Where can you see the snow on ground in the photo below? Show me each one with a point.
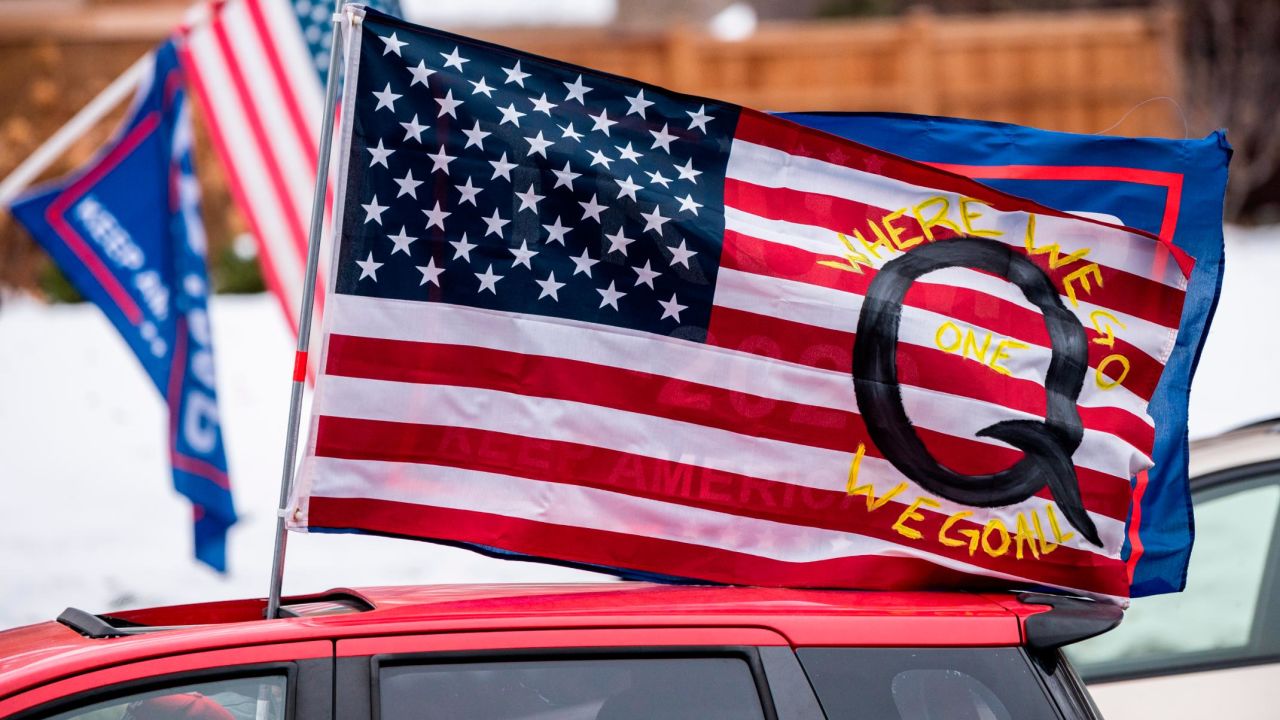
(88, 518)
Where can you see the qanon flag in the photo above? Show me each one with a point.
(1172, 188)
(589, 320)
(127, 233)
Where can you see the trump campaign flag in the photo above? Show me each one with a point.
(1172, 188)
(127, 233)
(581, 318)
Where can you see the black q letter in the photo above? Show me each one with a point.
(1047, 446)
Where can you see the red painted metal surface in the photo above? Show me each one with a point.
(48, 652)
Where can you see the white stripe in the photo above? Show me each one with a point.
(582, 507)
(299, 67)
(633, 433)
(837, 310)
(1154, 339)
(1112, 247)
(244, 161)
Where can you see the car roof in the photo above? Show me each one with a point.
(39, 653)
(1249, 445)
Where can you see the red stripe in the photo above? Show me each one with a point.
(762, 129)
(55, 216)
(247, 205)
(784, 262)
(1135, 525)
(306, 145)
(665, 397)
(635, 552)
(1120, 290)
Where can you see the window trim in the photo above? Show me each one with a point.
(289, 670)
(1266, 620)
(750, 654)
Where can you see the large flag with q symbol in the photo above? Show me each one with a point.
(580, 318)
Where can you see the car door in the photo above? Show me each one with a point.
(286, 681)
(1216, 645)
(584, 674)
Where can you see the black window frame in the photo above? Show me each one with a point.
(308, 686)
(357, 679)
(1263, 647)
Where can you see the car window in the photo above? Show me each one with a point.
(260, 698)
(926, 684)
(704, 688)
(1217, 617)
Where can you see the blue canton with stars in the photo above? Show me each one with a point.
(315, 17)
(486, 177)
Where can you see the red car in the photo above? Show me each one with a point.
(568, 652)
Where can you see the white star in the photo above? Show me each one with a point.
(602, 122)
(568, 132)
(420, 74)
(502, 168)
(368, 268)
(591, 208)
(638, 104)
(654, 220)
(610, 296)
(440, 160)
(566, 176)
(529, 200)
(627, 153)
(430, 273)
(662, 138)
(700, 119)
(493, 225)
(687, 172)
(688, 203)
(462, 248)
(543, 105)
(481, 88)
(373, 211)
(448, 106)
(402, 242)
(619, 241)
(380, 155)
(556, 231)
(436, 216)
(391, 44)
(550, 287)
(475, 136)
(577, 91)
(681, 255)
(599, 158)
(514, 75)
(671, 308)
(386, 99)
(408, 186)
(413, 130)
(488, 280)
(645, 275)
(454, 59)
(538, 145)
(469, 193)
(523, 255)
(657, 179)
(583, 263)
(626, 187)
(510, 115)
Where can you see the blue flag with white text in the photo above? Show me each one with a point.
(126, 231)
(1171, 188)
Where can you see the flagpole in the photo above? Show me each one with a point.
(305, 314)
(89, 115)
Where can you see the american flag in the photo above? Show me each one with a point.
(258, 68)
(582, 318)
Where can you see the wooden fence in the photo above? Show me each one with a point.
(1076, 71)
